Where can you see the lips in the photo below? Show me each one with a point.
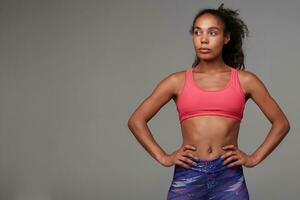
(203, 50)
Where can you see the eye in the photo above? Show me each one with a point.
(196, 32)
(214, 33)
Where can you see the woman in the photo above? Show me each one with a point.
(210, 98)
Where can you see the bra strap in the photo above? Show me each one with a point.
(236, 78)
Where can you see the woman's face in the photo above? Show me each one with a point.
(208, 33)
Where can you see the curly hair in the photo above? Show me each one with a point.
(232, 52)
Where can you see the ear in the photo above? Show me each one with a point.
(227, 38)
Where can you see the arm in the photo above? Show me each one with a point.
(137, 122)
(280, 124)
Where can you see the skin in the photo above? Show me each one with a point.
(204, 136)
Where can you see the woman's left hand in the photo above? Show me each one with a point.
(238, 156)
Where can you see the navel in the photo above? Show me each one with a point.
(209, 150)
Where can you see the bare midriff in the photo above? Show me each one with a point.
(209, 133)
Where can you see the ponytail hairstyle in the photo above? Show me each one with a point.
(232, 52)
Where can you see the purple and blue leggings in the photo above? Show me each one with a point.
(209, 180)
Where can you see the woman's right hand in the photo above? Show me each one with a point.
(181, 157)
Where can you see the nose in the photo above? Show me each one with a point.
(204, 39)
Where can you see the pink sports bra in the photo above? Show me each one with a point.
(194, 101)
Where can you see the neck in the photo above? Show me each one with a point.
(212, 65)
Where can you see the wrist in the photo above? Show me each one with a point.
(161, 158)
(255, 159)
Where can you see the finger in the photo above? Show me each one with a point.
(187, 160)
(230, 159)
(189, 154)
(236, 163)
(227, 147)
(189, 147)
(182, 164)
(225, 155)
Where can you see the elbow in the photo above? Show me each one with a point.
(135, 125)
(285, 125)
(132, 122)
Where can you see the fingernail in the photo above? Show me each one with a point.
(194, 148)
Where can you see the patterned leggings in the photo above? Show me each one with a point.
(209, 180)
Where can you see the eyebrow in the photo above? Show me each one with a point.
(213, 27)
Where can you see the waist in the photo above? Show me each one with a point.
(208, 153)
(205, 166)
(206, 150)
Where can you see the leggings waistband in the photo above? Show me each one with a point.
(206, 166)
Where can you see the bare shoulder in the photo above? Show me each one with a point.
(260, 94)
(179, 75)
(171, 82)
(179, 79)
(246, 74)
(250, 81)
(161, 94)
(173, 79)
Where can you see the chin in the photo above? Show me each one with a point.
(206, 57)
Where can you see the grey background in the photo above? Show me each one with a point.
(73, 71)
